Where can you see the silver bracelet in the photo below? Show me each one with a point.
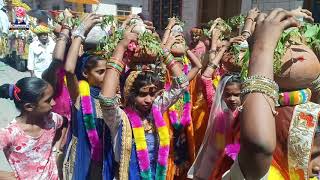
(79, 32)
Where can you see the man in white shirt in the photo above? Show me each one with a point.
(40, 52)
(4, 20)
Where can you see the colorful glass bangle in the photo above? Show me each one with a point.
(115, 66)
(168, 60)
(295, 97)
(119, 63)
(114, 59)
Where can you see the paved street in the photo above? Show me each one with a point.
(7, 108)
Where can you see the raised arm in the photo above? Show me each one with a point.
(78, 37)
(180, 80)
(249, 23)
(196, 65)
(258, 135)
(166, 35)
(59, 51)
(206, 78)
(108, 98)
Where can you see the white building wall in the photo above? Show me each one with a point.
(106, 9)
(110, 6)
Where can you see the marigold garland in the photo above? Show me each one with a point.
(141, 144)
(89, 122)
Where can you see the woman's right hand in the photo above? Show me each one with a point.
(172, 40)
(128, 37)
(127, 21)
(269, 28)
(253, 13)
(90, 21)
(67, 14)
(172, 22)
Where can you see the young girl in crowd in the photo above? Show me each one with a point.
(89, 153)
(139, 132)
(28, 140)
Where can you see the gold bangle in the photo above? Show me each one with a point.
(260, 84)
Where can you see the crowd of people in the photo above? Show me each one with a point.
(240, 101)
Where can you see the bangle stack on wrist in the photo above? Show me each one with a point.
(260, 84)
(169, 61)
(116, 65)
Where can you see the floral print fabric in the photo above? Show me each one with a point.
(31, 157)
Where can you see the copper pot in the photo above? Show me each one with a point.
(300, 67)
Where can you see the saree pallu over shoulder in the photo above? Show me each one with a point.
(302, 128)
(126, 147)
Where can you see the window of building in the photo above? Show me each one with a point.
(123, 10)
(164, 9)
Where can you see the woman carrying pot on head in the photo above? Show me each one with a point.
(276, 142)
(89, 152)
(179, 114)
(139, 133)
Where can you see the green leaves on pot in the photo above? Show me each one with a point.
(218, 24)
(147, 41)
(236, 21)
(109, 43)
(107, 20)
(311, 33)
(150, 43)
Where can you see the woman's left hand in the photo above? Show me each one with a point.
(253, 13)
(306, 14)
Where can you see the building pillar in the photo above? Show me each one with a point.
(190, 9)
